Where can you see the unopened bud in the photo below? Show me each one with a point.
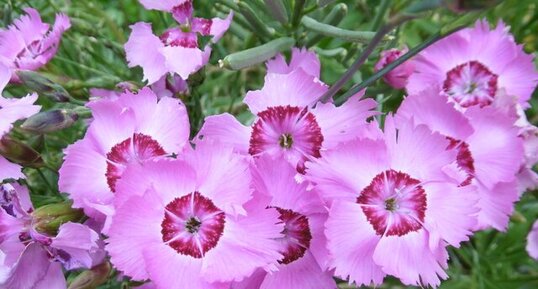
(92, 278)
(50, 121)
(257, 54)
(49, 218)
(43, 85)
(397, 77)
(20, 153)
(517, 217)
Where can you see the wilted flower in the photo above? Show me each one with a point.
(28, 43)
(34, 259)
(11, 110)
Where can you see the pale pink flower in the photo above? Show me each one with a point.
(489, 151)
(300, 58)
(302, 243)
(177, 49)
(163, 5)
(397, 77)
(125, 131)
(28, 43)
(34, 259)
(290, 123)
(532, 241)
(11, 110)
(473, 64)
(527, 178)
(191, 223)
(393, 210)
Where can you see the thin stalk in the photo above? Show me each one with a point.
(257, 25)
(45, 180)
(378, 19)
(336, 32)
(379, 36)
(297, 12)
(85, 67)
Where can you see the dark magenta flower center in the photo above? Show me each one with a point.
(192, 225)
(471, 83)
(137, 148)
(286, 128)
(464, 159)
(296, 235)
(394, 203)
(178, 37)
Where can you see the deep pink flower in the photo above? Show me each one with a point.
(177, 49)
(302, 243)
(28, 43)
(191, 222)
(532, 241)
(398, 77)
(11, 110)
(35, 259)
(473, 64)
(393, 210)
(489, 151)
(290, 124)
(125, 131)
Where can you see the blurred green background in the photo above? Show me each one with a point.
(91, 55)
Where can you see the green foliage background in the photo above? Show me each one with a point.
(91, 55)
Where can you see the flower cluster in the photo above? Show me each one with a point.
(307, 192)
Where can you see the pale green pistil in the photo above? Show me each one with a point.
(390, 204)
(286, 141)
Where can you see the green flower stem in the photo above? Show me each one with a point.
(297, 12)
(335, 16)
(332, 31)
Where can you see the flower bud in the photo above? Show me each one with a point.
(50, 217)
(50, 121)
(20, 153)
(92, 278)
(257, 54)
(397, 77)
(43, 85)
